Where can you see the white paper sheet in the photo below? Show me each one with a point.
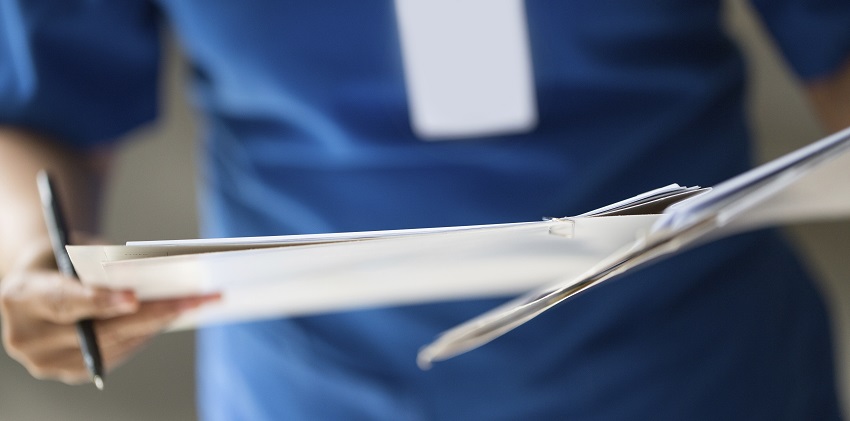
(489, 261)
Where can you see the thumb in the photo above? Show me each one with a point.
(63, 300)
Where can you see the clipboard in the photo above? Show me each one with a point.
(744, 202)
(278, 276)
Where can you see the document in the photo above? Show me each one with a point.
(268, 277)
(294, 275)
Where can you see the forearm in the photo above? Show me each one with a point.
(79, 178)
(830, 98)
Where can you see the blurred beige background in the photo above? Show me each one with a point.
(152, 197)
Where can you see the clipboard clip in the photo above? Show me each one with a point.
(565, 228)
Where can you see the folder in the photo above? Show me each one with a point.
(555, 258)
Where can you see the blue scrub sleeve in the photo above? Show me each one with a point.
(82, 71)
(814, 35)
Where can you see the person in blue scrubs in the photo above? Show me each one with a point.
(307, 130)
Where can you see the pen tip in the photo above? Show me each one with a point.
(425, 359)
(98, 382)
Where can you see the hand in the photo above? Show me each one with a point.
(39, 309)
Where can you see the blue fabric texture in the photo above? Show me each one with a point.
(82, 71)
(307, 130)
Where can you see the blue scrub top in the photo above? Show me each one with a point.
(307, 130)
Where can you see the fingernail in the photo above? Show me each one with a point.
(212, 298)
(187, 305)
(198, 302)
(122, 301)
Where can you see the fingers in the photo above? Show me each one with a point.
(118, 338)
(40, 308)
(62, 300)
(67, 365)
(121, 337)
(152, 317)
(56, 352)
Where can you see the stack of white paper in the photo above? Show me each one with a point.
(298, 275)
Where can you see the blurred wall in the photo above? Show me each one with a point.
(152, 197)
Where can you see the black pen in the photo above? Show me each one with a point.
(58, 233)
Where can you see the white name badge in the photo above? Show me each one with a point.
(467, 67)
